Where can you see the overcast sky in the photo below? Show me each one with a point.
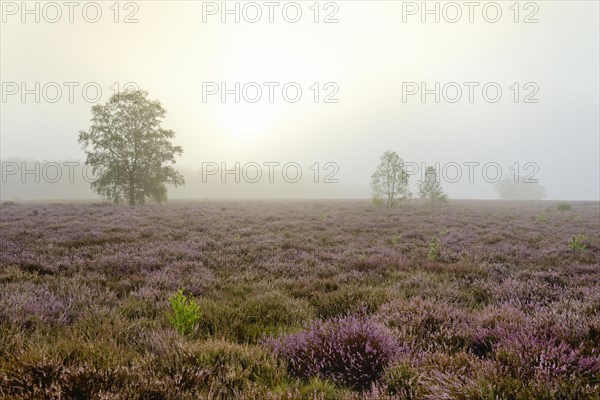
(371, 57)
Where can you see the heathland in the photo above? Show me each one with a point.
(300, 299)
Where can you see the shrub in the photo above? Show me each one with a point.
(537, 366)
(378, 202)
(138, 308)
(427, 325)
(404, 381)
(270, 313)
(186, 312)
(35, 378)
(351, 351)
(576, 243)
(219, 369)
(193, 277)
(317, 388)
(25, 303)
(563, 206)
(435, 250)
(541, 217)
(395, 240)
(254, 317)
(348, 299)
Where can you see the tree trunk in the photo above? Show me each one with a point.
(131, 193)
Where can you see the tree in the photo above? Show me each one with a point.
(129, 152)
(430, 188)
(515, 188)
(390, 180)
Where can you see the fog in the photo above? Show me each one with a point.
(513, 96)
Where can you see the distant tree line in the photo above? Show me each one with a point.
(519, 188)
(390, 182)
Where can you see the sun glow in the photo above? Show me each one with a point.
(245, 119)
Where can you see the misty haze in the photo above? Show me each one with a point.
(300, 200)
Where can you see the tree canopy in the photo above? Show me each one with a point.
(430, 187)
(389, 182)
(130, 154)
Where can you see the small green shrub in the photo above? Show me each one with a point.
(541, 217)
(563, 206)
(186, 312)
(395, 240)
(435, 250)
(576, 243)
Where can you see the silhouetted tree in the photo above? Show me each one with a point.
(390, 180)
(511, 188)
(130, 153)
(430, 188)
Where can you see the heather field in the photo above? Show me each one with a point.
(300, 300)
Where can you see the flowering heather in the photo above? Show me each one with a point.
(351, 351)
(27, 302)
(344, 292)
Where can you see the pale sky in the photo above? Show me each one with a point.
(368, 55)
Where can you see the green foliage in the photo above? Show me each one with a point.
(389, 182)
(395, 240)
(130, 163)
(576, 243)
(435, 250)
(185, 312)
(563, 206)
(541, 217)
(430, 187)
